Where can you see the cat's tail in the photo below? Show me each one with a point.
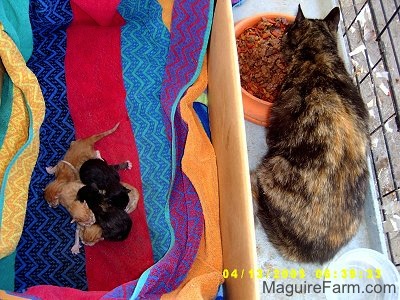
(99, 136)
(256, 194)
(255, 191)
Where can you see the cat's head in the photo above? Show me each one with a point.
(81, 213)
(52, 192)
(91, 194)
(316, 32)
(90, 235)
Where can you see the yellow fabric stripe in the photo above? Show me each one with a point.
(5, 296)
(167, 6)
(17, 132)
(16, 184)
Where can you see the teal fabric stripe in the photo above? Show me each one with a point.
(5, 108)
(145, 44)
(14, 159)
(7, 266)
(14, 15)
(142, 280)
(15, 18)
(7, 263)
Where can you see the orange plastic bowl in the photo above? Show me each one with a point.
(255, 109)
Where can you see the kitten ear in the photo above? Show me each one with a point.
(332, 19)
(94, 185)
(300, 15)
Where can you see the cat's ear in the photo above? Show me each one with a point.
(94, 185)
(332, 19)
(300, 15)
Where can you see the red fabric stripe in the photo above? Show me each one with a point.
(51, 292)
(96, 97)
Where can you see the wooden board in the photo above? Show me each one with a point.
(229, 140)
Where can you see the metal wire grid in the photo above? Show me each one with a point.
(372, 35)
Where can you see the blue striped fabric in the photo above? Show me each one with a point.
(145, 42)
(43, 253)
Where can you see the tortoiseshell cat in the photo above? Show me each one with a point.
(310, 186)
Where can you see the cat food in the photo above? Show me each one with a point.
(261, 64)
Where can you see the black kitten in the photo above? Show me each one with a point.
(106, 178)
(114, 222)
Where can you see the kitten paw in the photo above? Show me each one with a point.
(75, 249)
(128, 165)
(98, 155)
(51, 169)
(88, 243)
(53, 204)
(133, 200)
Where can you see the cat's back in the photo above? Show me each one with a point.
(320, 114)
(69, 191)
(313, 178)
(116, 224)
(318, 130)
(99, 172)
(319, 109)
(78, 152)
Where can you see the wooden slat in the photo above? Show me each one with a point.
(229, 140)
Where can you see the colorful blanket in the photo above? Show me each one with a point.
(199, 159)
(19, 147)
(99, 62)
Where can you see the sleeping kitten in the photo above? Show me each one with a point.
(111, 223)
(310, 187)
(67, 169)
(114, 222)
(66, 196)
(78, 152)
(105, 177)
